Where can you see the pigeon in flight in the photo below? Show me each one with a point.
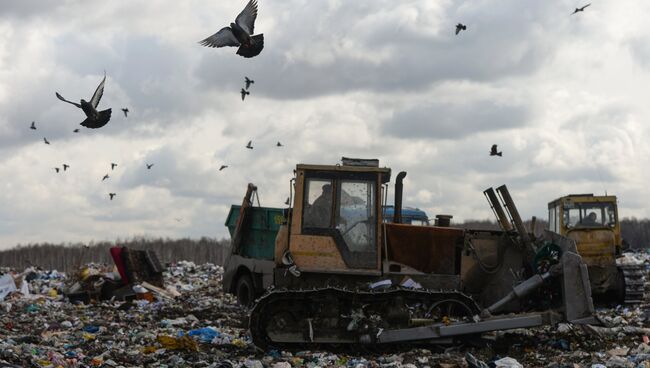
(113, 165)
(45, 140)
(149, 166)
(580, 9)
(94, 119)
(244, 93)
(33, 126)
(76, 130)
(105, 177)
(223, 167)
(460, 27)
(249, 145)
(239, 34)
(56, 169)
(248, 82)
(493, 151)
(65, 167)
(125, 110)
(279, 144)
(111, 195)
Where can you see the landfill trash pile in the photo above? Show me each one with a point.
(189, 321)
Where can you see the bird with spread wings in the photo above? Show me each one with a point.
(94, 119)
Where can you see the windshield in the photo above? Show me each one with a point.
(577, 215)
(356, 214)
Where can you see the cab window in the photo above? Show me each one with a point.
(318, 203)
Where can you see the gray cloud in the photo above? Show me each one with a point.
(454, 120)
(370, 54)
(336, 78)
(28, 8)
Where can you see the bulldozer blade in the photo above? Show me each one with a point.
(578, 303)
(576, 287)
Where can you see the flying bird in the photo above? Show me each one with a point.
(125, 110)
(111, 195)
(279, 144)
(223, 167)
(76, 130)
(493, 151)
(56, 169)
(244, 93)
(580, 9)
(65, 167)
(105, 177)
(460, 27)
(248, 82)
(94, 119)
(249, 145)
(45, 140)
(33, 126)
(239, 34)
(113, 165)
(149, 166)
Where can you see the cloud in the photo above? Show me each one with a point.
(563, 97)
(451, 120)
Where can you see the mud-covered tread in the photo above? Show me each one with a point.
(283, 299)
(635, 280)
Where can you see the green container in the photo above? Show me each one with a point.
(258, 237)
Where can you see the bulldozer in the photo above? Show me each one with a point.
(592, 222)
(337, 274)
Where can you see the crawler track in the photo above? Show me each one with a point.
(635, 277)
(334, 318)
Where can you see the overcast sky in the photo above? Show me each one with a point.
(564, 96)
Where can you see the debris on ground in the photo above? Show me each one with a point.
(184, 319)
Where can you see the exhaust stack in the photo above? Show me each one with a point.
(399, 187)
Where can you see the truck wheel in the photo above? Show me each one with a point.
(245, 290)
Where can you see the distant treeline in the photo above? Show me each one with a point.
(70, 256)
(636, 232)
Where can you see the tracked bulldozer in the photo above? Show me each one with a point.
(341, 276)
(592, 222)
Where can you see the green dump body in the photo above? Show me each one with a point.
(258, 235)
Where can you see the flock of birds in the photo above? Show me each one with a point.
(239, 34)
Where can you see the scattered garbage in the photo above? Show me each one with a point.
(507, 362)
(7, 285)
(183, 318)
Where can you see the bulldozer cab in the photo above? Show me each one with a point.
(583, 216)
(592, 222)
(335, 225)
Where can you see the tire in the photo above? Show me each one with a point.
(245, 290)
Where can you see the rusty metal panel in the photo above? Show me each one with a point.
(313, 253)
(425, 248)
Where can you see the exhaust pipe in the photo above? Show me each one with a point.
(399, 187)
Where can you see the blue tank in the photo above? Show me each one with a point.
(410, 215)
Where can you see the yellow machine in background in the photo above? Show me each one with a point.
(593, 223)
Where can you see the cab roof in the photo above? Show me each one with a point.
(583, 198)
(347, 168)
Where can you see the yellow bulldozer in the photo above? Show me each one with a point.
(592, 222)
